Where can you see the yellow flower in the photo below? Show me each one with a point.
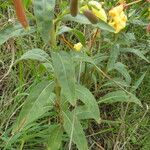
(78, 46)
(116, 10)
(118, 18)
(97, 10)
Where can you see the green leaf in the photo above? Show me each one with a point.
(74, 130)
(121, 68)
(79, 19)
(91, 109)
(110, 83)
(78, 57)
(136, 52)
(55, 138)
(137, 83)
(13, 31)
(65, 73)
(44, 12)
(104, 26)
(80, 36)
(39, 101)
(83, 20)
(113, 57)
(63, 29)
(119, 96)
(78, 33)
(35, 54)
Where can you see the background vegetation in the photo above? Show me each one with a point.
(113, 71)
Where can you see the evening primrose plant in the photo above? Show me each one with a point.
(69, 95)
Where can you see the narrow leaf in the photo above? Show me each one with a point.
(104, 26)
(136, 52)
(83, 20)
(80, 36)
(55, 138)
(36, 54)
(91, 109)
(39, 101)
(74, 130)
(119, 96)
(13, 31)
(121, 68)
(137, 83)
(44, 12)
(65, 74)
(113, 57)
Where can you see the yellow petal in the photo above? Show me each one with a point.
(78, 46)
(100, 14)
(95, 4)
(84, 8)
(116, 10)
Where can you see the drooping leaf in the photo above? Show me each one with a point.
(78, 57)
(39, 101)
(13, 31)
(83, 20)
(114, 53)
(36, 54)
(65, 73)
(79, 19)
(121, 68)
(74, 130)
(80, 36)
(63, 29)
(44, 12)
(136, 52)
(137, 83)
(119, 96)
(91, 109)
(55, 138)
(104, 26)
(78, 33)
(111, 83)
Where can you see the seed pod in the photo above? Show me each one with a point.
(20, 13)
(91, 17)
(74, 7)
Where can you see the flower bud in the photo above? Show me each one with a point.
(74, 7)
(91, 17)
(20, 13)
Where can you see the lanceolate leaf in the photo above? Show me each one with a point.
(74, 130)
(119, 96)
(39, 101)
(65, 74)
(114, 53)
(137, 83)
(36, 54)
(121, 68)
(79, 18)
(55, 138)
(91, 109)
(136, 52)
(44, 12)
(80, 36)
(83, 20)
(104, 26)
(13, 31)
